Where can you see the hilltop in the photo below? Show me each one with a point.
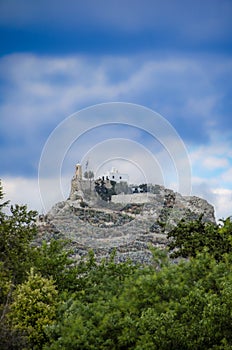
(104, 215)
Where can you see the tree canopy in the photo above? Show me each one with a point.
(189, 238)
(49, 300)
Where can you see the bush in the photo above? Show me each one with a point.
(34, 308)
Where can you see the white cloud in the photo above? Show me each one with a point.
(213, 163)
(218, 196)
(202, 106)
(41, 91)
(215, 155)
(223, 200)
(227, 176)
(212, 174)
(36, 195)
(22, 190)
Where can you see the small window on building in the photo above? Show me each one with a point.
(113, 176)
(120, 177)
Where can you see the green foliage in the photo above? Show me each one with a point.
(189, 238)
(53, 260)
(3, 204)
(164, 306)
(34, 308)
(85, 315)
(16, 233)
(6, 288)
(49, 301)
(18, 255)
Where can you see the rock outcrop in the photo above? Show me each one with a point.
(130, 223)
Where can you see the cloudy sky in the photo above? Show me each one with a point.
(172, 57)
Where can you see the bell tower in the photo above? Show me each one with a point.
(78, 172)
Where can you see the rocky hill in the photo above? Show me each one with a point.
(129, 223)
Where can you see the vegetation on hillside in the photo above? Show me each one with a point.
(50, 301)
(188, 239)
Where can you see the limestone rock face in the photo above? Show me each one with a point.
(130, 223)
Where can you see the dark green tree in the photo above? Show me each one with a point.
(164, 306)
(60, 304)
(52, 259)
(18, 254)
(189, 238)
(17, 230)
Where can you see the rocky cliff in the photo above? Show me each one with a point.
(129, 223)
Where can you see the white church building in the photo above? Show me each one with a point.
(115, 175)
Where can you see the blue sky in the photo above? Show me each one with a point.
(174, 57)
